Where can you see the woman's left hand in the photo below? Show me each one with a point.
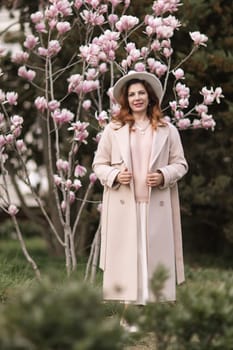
(155, 179)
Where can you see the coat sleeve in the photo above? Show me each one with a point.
(177, 166)
(102, 167)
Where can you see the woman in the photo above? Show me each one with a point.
(139, 160)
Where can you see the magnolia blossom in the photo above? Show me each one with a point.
(77, 184)
(16, 120)
(71, 195)
(92, 178)
(86, 104)
(3, 51)
(53, 104)
(103, 68)
(156, 67)
(207, 121)
(160, 7)
(62, 165)
(41, 103)
(178, 73)
(80, 171)
(57, 179)
(93, 18)
(27, 74)
(37, 17)
(62, 116)
(41, 27)
(2, 141)
(30, 42)
(20, 145)
(12, 98)
(182, 90)
(12, 210)
(78, 4)
(183, 123)
(196, 124)
(80, 132)
(198, 38)
(126, 23)
(139, 67)
(112, 19)
(201, 108)
(20, 57)
(63, 27)
(102, 118)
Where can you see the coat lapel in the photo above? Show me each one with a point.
(122, 136)
(159, 138)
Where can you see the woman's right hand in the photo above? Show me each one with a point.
(124, 177)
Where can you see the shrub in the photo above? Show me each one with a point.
(49, 317)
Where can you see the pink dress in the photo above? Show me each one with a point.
(140, 143)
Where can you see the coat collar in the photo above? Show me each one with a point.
(159, 138)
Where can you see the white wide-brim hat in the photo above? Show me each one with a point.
(148, 77)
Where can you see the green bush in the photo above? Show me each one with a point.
(51, 317)
(202, 318)
(28, 229)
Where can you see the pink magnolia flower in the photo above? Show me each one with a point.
(207, 121)
(63, 27)
(53, 47)
(102, 118)
(112, 19)
(41, 103)
(183, 103)
(53, 104)
(16, 120)
(160, 7)
(21, 147)
(92, 178)
(86, 104)
(103, 68)
(183, 123)
(91, 74)
(92, 18)
(182, 90)
(9, 138)
(126, 23)
(80, 171)
(62, 116)
(30, 42)
(27, 74)
(12, 210)
(201, 108)
(37, 17)
(57, 179)
(196, 124)
(139, 67)
(218, 94)
(64, 7)
(178, 73)
(115, 2)
(12, 98)
(78, 4)
(198, 38)
(62, 165)
(77, 184)
(41, 27)
(68, 184)
(71, 196)
(80, 132)
(20, 57)
(63, 206)
(156, 46)
(173, 105)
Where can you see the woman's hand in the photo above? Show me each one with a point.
(155, 179)
(124, 177)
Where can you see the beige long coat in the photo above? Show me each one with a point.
(119, 250)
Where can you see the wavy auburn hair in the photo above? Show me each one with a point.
(154, 112)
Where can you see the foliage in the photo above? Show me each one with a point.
(201, 319)
(65, 317)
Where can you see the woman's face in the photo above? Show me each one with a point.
(138, 98)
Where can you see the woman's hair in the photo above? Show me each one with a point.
(154, 112)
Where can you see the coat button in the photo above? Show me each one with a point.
(161, 203)
(122, 201)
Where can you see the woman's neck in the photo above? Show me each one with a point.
(140, 117)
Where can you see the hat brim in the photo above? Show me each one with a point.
(148, 77)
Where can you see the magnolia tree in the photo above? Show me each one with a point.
(109, 43)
